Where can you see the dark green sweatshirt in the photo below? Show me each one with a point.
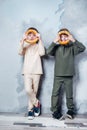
(64, 57)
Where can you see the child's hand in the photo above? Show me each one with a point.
(71, 38)
(57, 39)
(38, 36)
(24, 37)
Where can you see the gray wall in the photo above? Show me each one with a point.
(48, 17)
(75, 19)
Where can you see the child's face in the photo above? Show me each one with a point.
(63, 37)
(31, 36)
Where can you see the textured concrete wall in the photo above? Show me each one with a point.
(48, 17)
(75, 19)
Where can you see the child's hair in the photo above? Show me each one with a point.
(63, 29)
(33, 29)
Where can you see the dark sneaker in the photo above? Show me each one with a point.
(70, 114)
(57, 115)
(31, 115)
(37, 109)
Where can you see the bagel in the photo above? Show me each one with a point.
(31, 41)
(64, 42)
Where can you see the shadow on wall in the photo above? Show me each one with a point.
(80, 58)
(20, 78)
(22, 96)
(45, 86)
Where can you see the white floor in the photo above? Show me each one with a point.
(20, 122)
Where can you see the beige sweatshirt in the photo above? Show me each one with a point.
(32, 58)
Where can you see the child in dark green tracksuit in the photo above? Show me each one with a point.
(64, 70)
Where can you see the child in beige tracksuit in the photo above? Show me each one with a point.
(32, 70)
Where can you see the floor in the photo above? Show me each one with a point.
(43, 122)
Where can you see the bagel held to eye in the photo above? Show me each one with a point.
(35, 33)
(65, 33)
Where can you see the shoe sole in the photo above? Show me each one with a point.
(36, 114)
(70, 117)
(30, 118)
(66, 116)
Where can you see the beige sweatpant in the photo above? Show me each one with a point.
(31, 86)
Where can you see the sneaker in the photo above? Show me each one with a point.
(70, 114)
(37, 109)
(57, 115)
(31, 115)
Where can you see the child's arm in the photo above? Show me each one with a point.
(78, 47)
(41, 48)
(21, 49)
(23, 46)
(52, 48)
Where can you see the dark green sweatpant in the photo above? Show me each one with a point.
(67, 81)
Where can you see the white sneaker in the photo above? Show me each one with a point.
(30, 115)
(37, 109)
